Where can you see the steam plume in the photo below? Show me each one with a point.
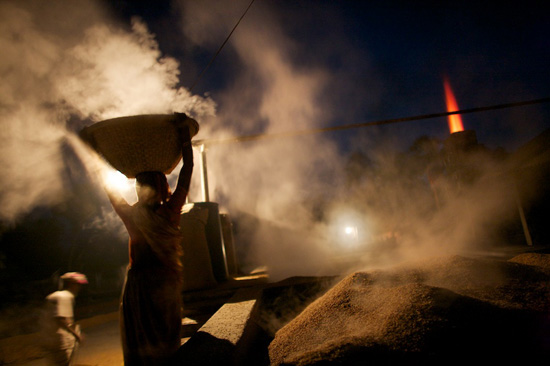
(270, 180)
(58, 74)
(64, 63)
(277, 181)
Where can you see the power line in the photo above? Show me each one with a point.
(220, 49)
(364, 124)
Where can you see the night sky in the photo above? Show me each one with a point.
(387, 58)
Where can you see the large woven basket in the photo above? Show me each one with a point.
(139, 143)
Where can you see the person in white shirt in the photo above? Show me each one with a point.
(62, 335)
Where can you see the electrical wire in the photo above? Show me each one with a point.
(220, 49)
(237, 139)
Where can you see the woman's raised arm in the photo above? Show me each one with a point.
(184, 179)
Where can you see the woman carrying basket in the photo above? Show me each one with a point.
(151, 301)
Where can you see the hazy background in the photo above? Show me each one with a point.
(290, 65)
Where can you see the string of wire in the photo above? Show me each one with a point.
(221, 47)
(237, 139)
(342, 127)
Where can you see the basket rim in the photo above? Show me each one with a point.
(92, 133)
(128, 119)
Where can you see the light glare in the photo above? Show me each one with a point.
(116, 181)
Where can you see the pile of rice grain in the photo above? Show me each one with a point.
(424, 312)
(533, 259)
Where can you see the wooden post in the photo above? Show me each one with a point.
(526, 232)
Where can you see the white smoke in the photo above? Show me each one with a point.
(113, 73)
(67, 60)
(277, 180)
(272, 180)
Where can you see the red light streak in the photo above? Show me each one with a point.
(455, 120)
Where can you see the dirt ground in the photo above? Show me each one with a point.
(464, 284)
(101, 346)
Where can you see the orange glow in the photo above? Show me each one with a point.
(455, 120)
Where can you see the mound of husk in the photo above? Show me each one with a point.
(136, 144)
(533, 259)
(437, 311)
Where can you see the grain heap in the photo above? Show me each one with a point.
(424, 313)
(533, 259)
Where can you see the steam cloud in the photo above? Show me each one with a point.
(88, 68)
(277, 180)
(67, 61)
(270, 180)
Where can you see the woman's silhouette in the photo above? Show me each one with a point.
(151, 300)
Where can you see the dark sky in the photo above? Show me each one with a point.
(388, 58)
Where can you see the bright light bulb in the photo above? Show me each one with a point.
(351, 233)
